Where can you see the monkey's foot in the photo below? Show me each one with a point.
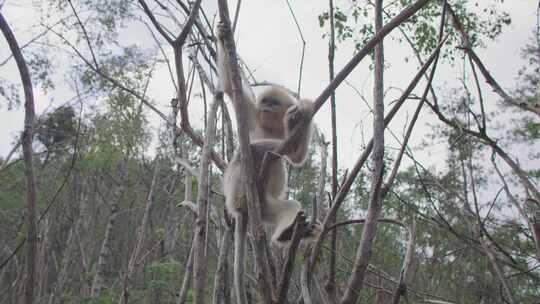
(287, 234)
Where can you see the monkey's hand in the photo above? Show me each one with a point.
(296, 113)
(312, 230)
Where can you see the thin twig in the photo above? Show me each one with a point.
(301, 70)
(85, 33)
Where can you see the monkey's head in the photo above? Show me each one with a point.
(272, 104)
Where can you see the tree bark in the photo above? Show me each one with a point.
(200, 243)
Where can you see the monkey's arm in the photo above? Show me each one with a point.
(226, 81)
(297, 154)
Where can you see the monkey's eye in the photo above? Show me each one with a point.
(271, 102)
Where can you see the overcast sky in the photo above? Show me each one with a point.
(269, 43)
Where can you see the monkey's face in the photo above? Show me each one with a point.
(271, 112)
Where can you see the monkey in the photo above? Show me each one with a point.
(272, 115)
(276, 211)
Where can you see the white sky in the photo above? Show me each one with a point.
(269, 43)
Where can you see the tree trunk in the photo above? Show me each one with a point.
(331, 283)
(105, 251)
(27, 137)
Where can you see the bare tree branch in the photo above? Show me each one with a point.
(344, 189)
(154, 21)
(181, 39)
(85, 33)
(285, 280)
(363, 253)
(254, 212)
(487, 76)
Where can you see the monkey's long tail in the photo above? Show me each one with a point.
(240, 232)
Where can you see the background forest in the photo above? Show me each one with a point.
(425, 180)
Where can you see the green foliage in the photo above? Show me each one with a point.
(12, 188)
(481, 20)
(58, 128)
(104, 298)
(164, 268)
(106, 19)
(129, 65)
(41, 69)
(120, 130)
(10, 92)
